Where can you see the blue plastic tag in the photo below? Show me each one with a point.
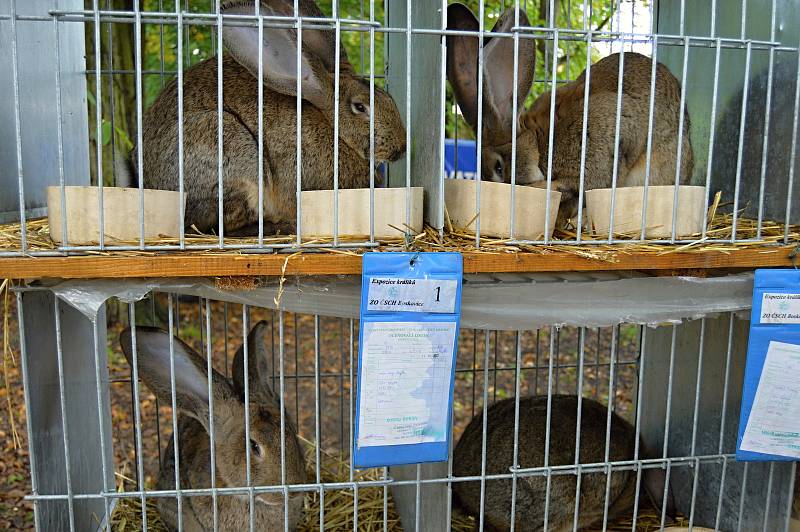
(769, 424)
(408, 336)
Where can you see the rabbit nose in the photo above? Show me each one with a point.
(530, 177)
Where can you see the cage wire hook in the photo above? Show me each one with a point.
(409, 245)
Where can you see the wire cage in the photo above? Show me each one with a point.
(323, 129)
(138, 98)
(99, 442)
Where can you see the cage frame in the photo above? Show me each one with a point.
(417, 489)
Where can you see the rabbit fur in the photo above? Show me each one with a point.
(240, 158)
(601, 130)
(533, 126)
(191, 390)
(531, 490)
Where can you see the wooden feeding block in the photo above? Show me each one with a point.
(121, 208)
(628, 209)
(317, 213)
(495, 211)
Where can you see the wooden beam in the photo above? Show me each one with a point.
(669, 262)
(216, 265)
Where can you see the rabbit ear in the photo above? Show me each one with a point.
(278, 51)
(259, 363)
(319, 42)
(462, 61)
(191, 382)
(498, 77)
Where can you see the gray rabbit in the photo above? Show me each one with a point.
(531, 490)
(240, 116)
(534, 125)
(191, 391)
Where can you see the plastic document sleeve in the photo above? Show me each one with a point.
(408, 340)
(769, 424)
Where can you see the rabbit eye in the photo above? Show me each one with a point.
(255, 448)
(358, 107)
(498, 168)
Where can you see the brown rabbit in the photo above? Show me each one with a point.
(531, 490)
(240, 124)
(602, 113)
(533, 127)
(498, 86)
(191, 391)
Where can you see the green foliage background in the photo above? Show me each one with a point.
(160, 53)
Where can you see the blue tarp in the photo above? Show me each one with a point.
(466, 160)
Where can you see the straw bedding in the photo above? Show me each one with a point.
(720, 227)
(338, 511)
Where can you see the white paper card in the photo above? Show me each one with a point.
(404, 382)
(780, 308)
(774, 423)
(412, 295)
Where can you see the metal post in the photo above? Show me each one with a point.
(712, 427)
(38, 134)
(423, 86)
(83, 405)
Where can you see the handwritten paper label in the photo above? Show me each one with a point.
(780, 308)
(412, 295)
(404, 382)
(774, 423)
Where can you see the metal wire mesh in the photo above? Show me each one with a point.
(677, 385)
(742, 133)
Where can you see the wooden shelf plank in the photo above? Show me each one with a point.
(219, 265)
